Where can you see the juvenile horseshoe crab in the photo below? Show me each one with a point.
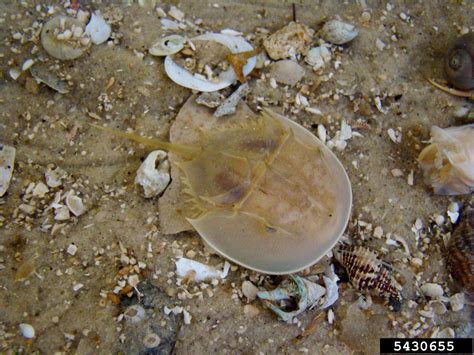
(264, 193)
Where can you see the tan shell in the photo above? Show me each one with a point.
(167, 45)
(266, 194)
(62, 49)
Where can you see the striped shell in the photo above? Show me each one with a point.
(460, 257)
(367, 272)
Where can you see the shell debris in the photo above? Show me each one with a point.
(367, 272)
(338, 32)
(98, 29)
(448, 162)
(187, 268)
(167, 45)
(154, 173)
(290, 40)
(7, 161)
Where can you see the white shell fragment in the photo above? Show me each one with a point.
(338, 32)
(201, 272)
(151, 341)
(98, 29)
(457, 301)
(135, 313)
(432, 290)
(167, 45)
(317, 57)
(75, 205)
(57, 39)
(249, 290)
(287, 72)
(54, 176)
(7, 161)
(27, 330)
(210, 99)
(448, 162)
(154, 173)
(332, 291)
(184, 78)
(43, 75)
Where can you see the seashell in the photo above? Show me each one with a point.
(367, 272)
(151, 341)
(457, 301)
(318, 57)
(167, 45)
(290, 40)
(184, 78)
(98, 29)
(265, 184)
(200, 272)
(7, 163)
(332, 291)
(154, 173)
(459, 251)
(459, 64)
(338, 32)
(75, 205)
(432, 290)
(64, 49)
(448, 162)
(54, 176)
(27, 330)
(135, 313)
(249, 290)
(42, 75)
(210, 99)
(287, 72)
(295, 288)
(438, 307)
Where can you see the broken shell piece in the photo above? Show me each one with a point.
(59, 45)
(432, 290)
(75, 205)
(40, 190)
(457, 301)
(151, 341)
(332, 291)
(184, 78)
(27, 330)
(287, 72)
(249, 290)
(448, 162)
(42, 75)
(199, 271)
(98, 29)
(338, 32)
(306, 294)
(445, 333)
(292, 39)
(167, 45)
(7, 161)
(62, 213)
(228, 107)
(54, 176)
(438, 307)
(154, 173)
(317, 57)
(210, 99)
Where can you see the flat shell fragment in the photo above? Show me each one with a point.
(154, 173)
(43, 75)
(228, 107)
(292, 39)
(7, 161)
(167, 45)
(338, 32)
(98, 29)
(287, 72)
(58, 44)
(198, 271)
(210, 99)
(75, 205)
(27, 330)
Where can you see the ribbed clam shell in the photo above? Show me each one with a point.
(460, 251)
(367, 272)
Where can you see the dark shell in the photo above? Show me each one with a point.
(460, 251)
(459, 63)
(366, 271)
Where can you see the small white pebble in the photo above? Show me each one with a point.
(378, 232)
(397, 172)
(27, 330)
(27, 64)
(71, 249)
(380, 44)
(77, 287)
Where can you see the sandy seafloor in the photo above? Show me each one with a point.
(39, 279)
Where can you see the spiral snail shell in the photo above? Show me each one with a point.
(459, 63)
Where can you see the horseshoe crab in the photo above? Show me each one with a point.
(264, 193)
